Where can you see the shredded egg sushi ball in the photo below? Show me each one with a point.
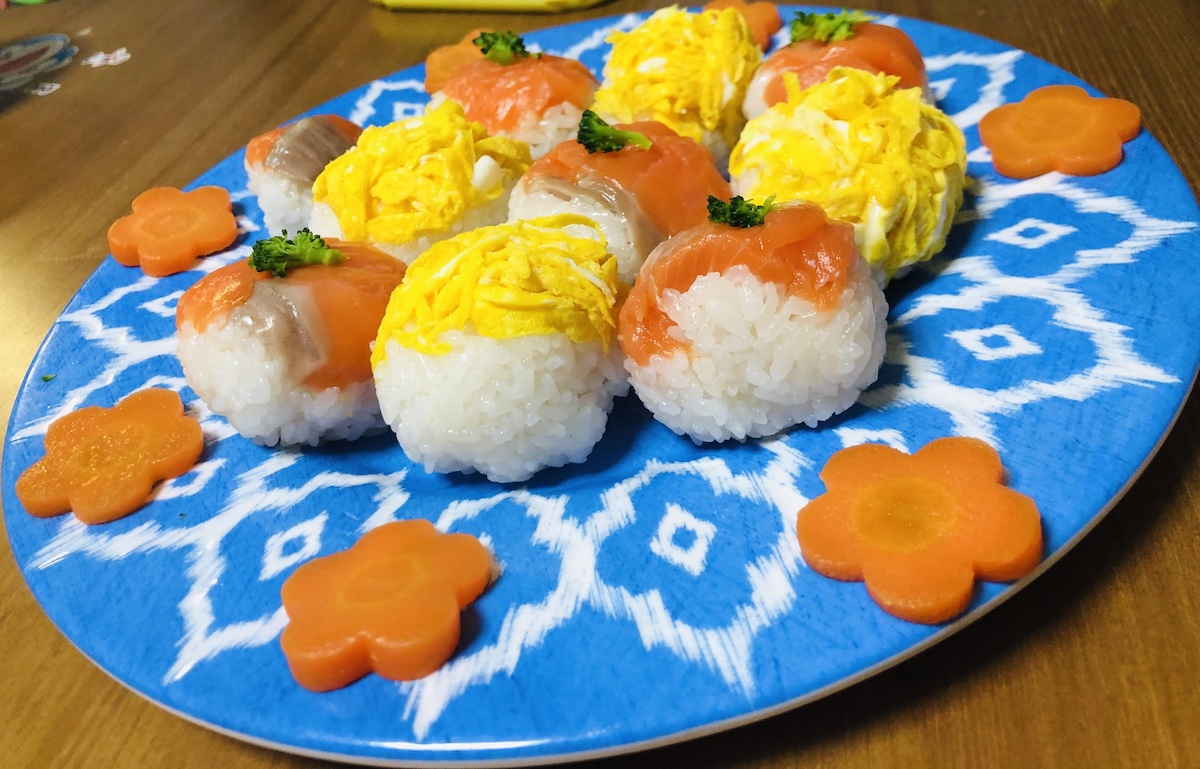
(498, 353)
(869, 153)
(686, 70)
(409, 184)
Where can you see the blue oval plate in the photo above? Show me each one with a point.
(1061, 316)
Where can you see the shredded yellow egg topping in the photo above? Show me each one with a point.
(686, 70)
(417, 175)
(867, 152)
(538, 276)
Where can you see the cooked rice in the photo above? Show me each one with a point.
(241, 374)
(761, 361)
(286, 203)
(754, 104)
(503, 407)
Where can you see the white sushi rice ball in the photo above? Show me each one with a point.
(502, 407)
(245, 374)
(760, 360)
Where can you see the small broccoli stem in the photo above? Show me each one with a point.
(598, 136)
(739, 212)
(278, 254)
(502, 47)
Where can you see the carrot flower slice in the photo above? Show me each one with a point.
(102, 463)
(390, 604)
(169, 228)
(762, 17)
(1059, 128)
(443, 62)
(920, 529)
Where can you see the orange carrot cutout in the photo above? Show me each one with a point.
(169, 228)
(443, 62)
(920, 529)
(390, 604)
(102, 463)
(761, 17)
(1059, 128)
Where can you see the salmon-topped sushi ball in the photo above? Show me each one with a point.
(641, 182)
(283, 163)
(279, 344)
(822, 41)
(535, 98)
(760, 319)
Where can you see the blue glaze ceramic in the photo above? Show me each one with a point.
(1059, 324)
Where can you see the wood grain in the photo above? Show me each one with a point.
(1095, 664)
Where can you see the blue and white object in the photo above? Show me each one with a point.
(1062, 313)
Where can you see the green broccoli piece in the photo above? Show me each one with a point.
(502, 47)
(739, 212)
(597, 136)
(826, 27)
(278, 254)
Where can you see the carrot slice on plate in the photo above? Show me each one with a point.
(390, 604)
(169, 228)
(920, 529)
(443, 62)
(102, 463)
(1059, 128)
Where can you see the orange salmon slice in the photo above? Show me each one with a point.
(874, 48)
(501, 95)
(671, 181)
(797, 248)
(350, 298)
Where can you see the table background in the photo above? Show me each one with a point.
(1095, 664)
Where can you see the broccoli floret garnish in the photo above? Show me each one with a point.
(739, 212)
(278, 254)
(826, 27)
(502, 47)
(597, 136)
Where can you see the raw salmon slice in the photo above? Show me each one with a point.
(797, 247)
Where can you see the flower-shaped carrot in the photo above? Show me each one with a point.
(390, 604)
(169, 228)
(919, 529)
(102, 463)
(762, 17)
(443, 62)
(1059, 128)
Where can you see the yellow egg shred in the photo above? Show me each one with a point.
(686, 70)
(415, 176)
(867, 152)
(548, 275)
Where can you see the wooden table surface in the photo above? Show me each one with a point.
(1097, 663)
